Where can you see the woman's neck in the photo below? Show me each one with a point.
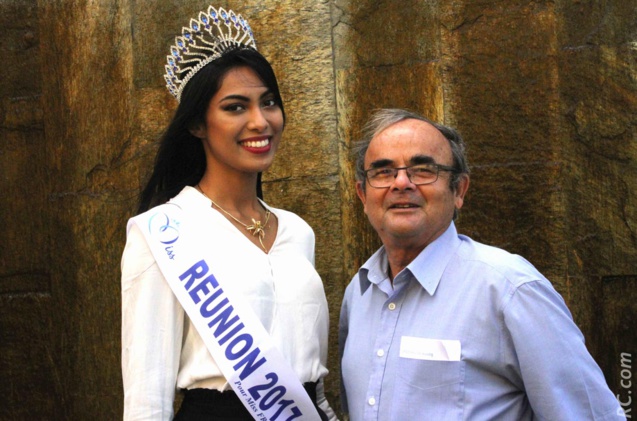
(233, 193)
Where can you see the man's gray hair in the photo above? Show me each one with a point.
(383, 118)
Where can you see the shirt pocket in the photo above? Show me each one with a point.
(429, 390)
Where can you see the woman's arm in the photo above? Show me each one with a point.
(152, 329)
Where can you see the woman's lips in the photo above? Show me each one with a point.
(257, 145)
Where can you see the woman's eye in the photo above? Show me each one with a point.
(234, 107)
(269, 103)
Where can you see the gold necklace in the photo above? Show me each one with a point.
(257, 228)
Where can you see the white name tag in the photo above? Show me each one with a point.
(429, 349)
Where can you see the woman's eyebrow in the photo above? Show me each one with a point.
(243, 97)
(234, 97)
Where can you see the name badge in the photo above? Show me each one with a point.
(429, 349)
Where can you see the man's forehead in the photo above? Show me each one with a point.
(409, 138)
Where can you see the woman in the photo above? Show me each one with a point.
(225, 132)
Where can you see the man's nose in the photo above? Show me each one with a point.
(402, 181)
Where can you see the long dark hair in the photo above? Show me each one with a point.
(180, 159)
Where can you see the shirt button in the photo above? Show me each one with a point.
(371, 401)
(380, 352)
(392, 306)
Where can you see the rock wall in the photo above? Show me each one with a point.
(544, 94)
(542, 91)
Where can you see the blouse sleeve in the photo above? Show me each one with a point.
(152, 329)
(322, 403)
(306, 238)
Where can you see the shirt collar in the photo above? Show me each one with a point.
(374, 270)
(427, 268)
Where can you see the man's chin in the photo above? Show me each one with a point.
(404, 231)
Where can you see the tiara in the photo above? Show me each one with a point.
(215, 33)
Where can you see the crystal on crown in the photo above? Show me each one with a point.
(208, 38)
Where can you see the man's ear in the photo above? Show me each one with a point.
(360, 191)
(198, 130)
(461, 190)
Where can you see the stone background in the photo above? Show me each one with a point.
(544, 93)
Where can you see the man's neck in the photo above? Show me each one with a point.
(402, 251)
(399, 258)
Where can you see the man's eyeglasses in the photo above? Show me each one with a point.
(419, 174)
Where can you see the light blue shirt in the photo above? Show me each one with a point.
(519, 356)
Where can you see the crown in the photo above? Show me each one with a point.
(207, 39)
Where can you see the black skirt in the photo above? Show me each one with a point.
(212, 405)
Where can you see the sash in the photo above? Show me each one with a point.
(234, 336)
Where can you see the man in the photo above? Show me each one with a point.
(436, 326)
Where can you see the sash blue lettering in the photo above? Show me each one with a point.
(198, 270)
(215, 310)
(284, 404)
(249, 363)
(247, 343)
(202, 287)
(233, 332)
(205, 312)
(222, 321)
(273, 396)
(225, 323)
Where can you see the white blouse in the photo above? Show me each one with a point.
(161, 349)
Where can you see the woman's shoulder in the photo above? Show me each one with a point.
(293, 230)
(289, 218)
(186, 198)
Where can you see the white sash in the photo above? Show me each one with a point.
(234, 336)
